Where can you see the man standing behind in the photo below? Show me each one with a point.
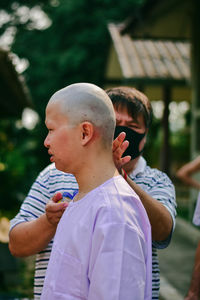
(102, 245)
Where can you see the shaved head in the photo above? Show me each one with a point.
(81, 102)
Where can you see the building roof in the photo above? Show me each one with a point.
(151, 60)
(14, 95)
(166, 19)
(155, 60)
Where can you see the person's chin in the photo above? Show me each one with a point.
(51, 159)
(60, 167)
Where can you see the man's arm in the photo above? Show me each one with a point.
(29, 238)
(159, 217)
(185, 173)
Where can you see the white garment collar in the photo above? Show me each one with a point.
(140, 167)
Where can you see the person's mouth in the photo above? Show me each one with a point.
(51, 156)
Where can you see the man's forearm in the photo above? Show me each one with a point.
(28, 238)
(189, 180)
(159, 217)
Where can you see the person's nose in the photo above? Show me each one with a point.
(46, 141)
(121, 123)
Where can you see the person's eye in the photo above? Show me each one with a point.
(133, 127)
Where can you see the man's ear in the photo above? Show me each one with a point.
(87, 132)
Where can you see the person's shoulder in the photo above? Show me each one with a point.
(114, 193)
(156, 174)
(117, 203)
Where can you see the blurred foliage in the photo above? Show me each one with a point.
(74, 48)
(153, 144)
(18, 157)
(179, 144)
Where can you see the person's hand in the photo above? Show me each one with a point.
(192, 296)
(119, 147)
(54, 210)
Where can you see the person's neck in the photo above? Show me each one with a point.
(94, 173)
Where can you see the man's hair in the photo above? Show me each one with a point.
(133, 100)
(81, 102)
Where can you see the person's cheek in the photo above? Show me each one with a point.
(142, 143)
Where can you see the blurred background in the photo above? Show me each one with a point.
(45, 45)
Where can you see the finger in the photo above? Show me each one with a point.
(124, 146)
(65, 205)
(55, 216)
(53, 207)
(120, 150)
(57, 197)
(125, 160)
(119, 140)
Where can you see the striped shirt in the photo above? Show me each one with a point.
(51, 181)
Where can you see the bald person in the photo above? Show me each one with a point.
(102, 245)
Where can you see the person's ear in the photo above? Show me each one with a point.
(87, 132)
(147, 130)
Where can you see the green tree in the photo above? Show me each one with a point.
(74, 48)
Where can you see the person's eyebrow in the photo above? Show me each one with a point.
(133, 122)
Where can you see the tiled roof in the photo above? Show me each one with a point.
(151, 59)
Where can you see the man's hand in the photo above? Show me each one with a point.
(119, 147)
(54, 210)
(29, 238)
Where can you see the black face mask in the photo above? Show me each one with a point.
(134, 139)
